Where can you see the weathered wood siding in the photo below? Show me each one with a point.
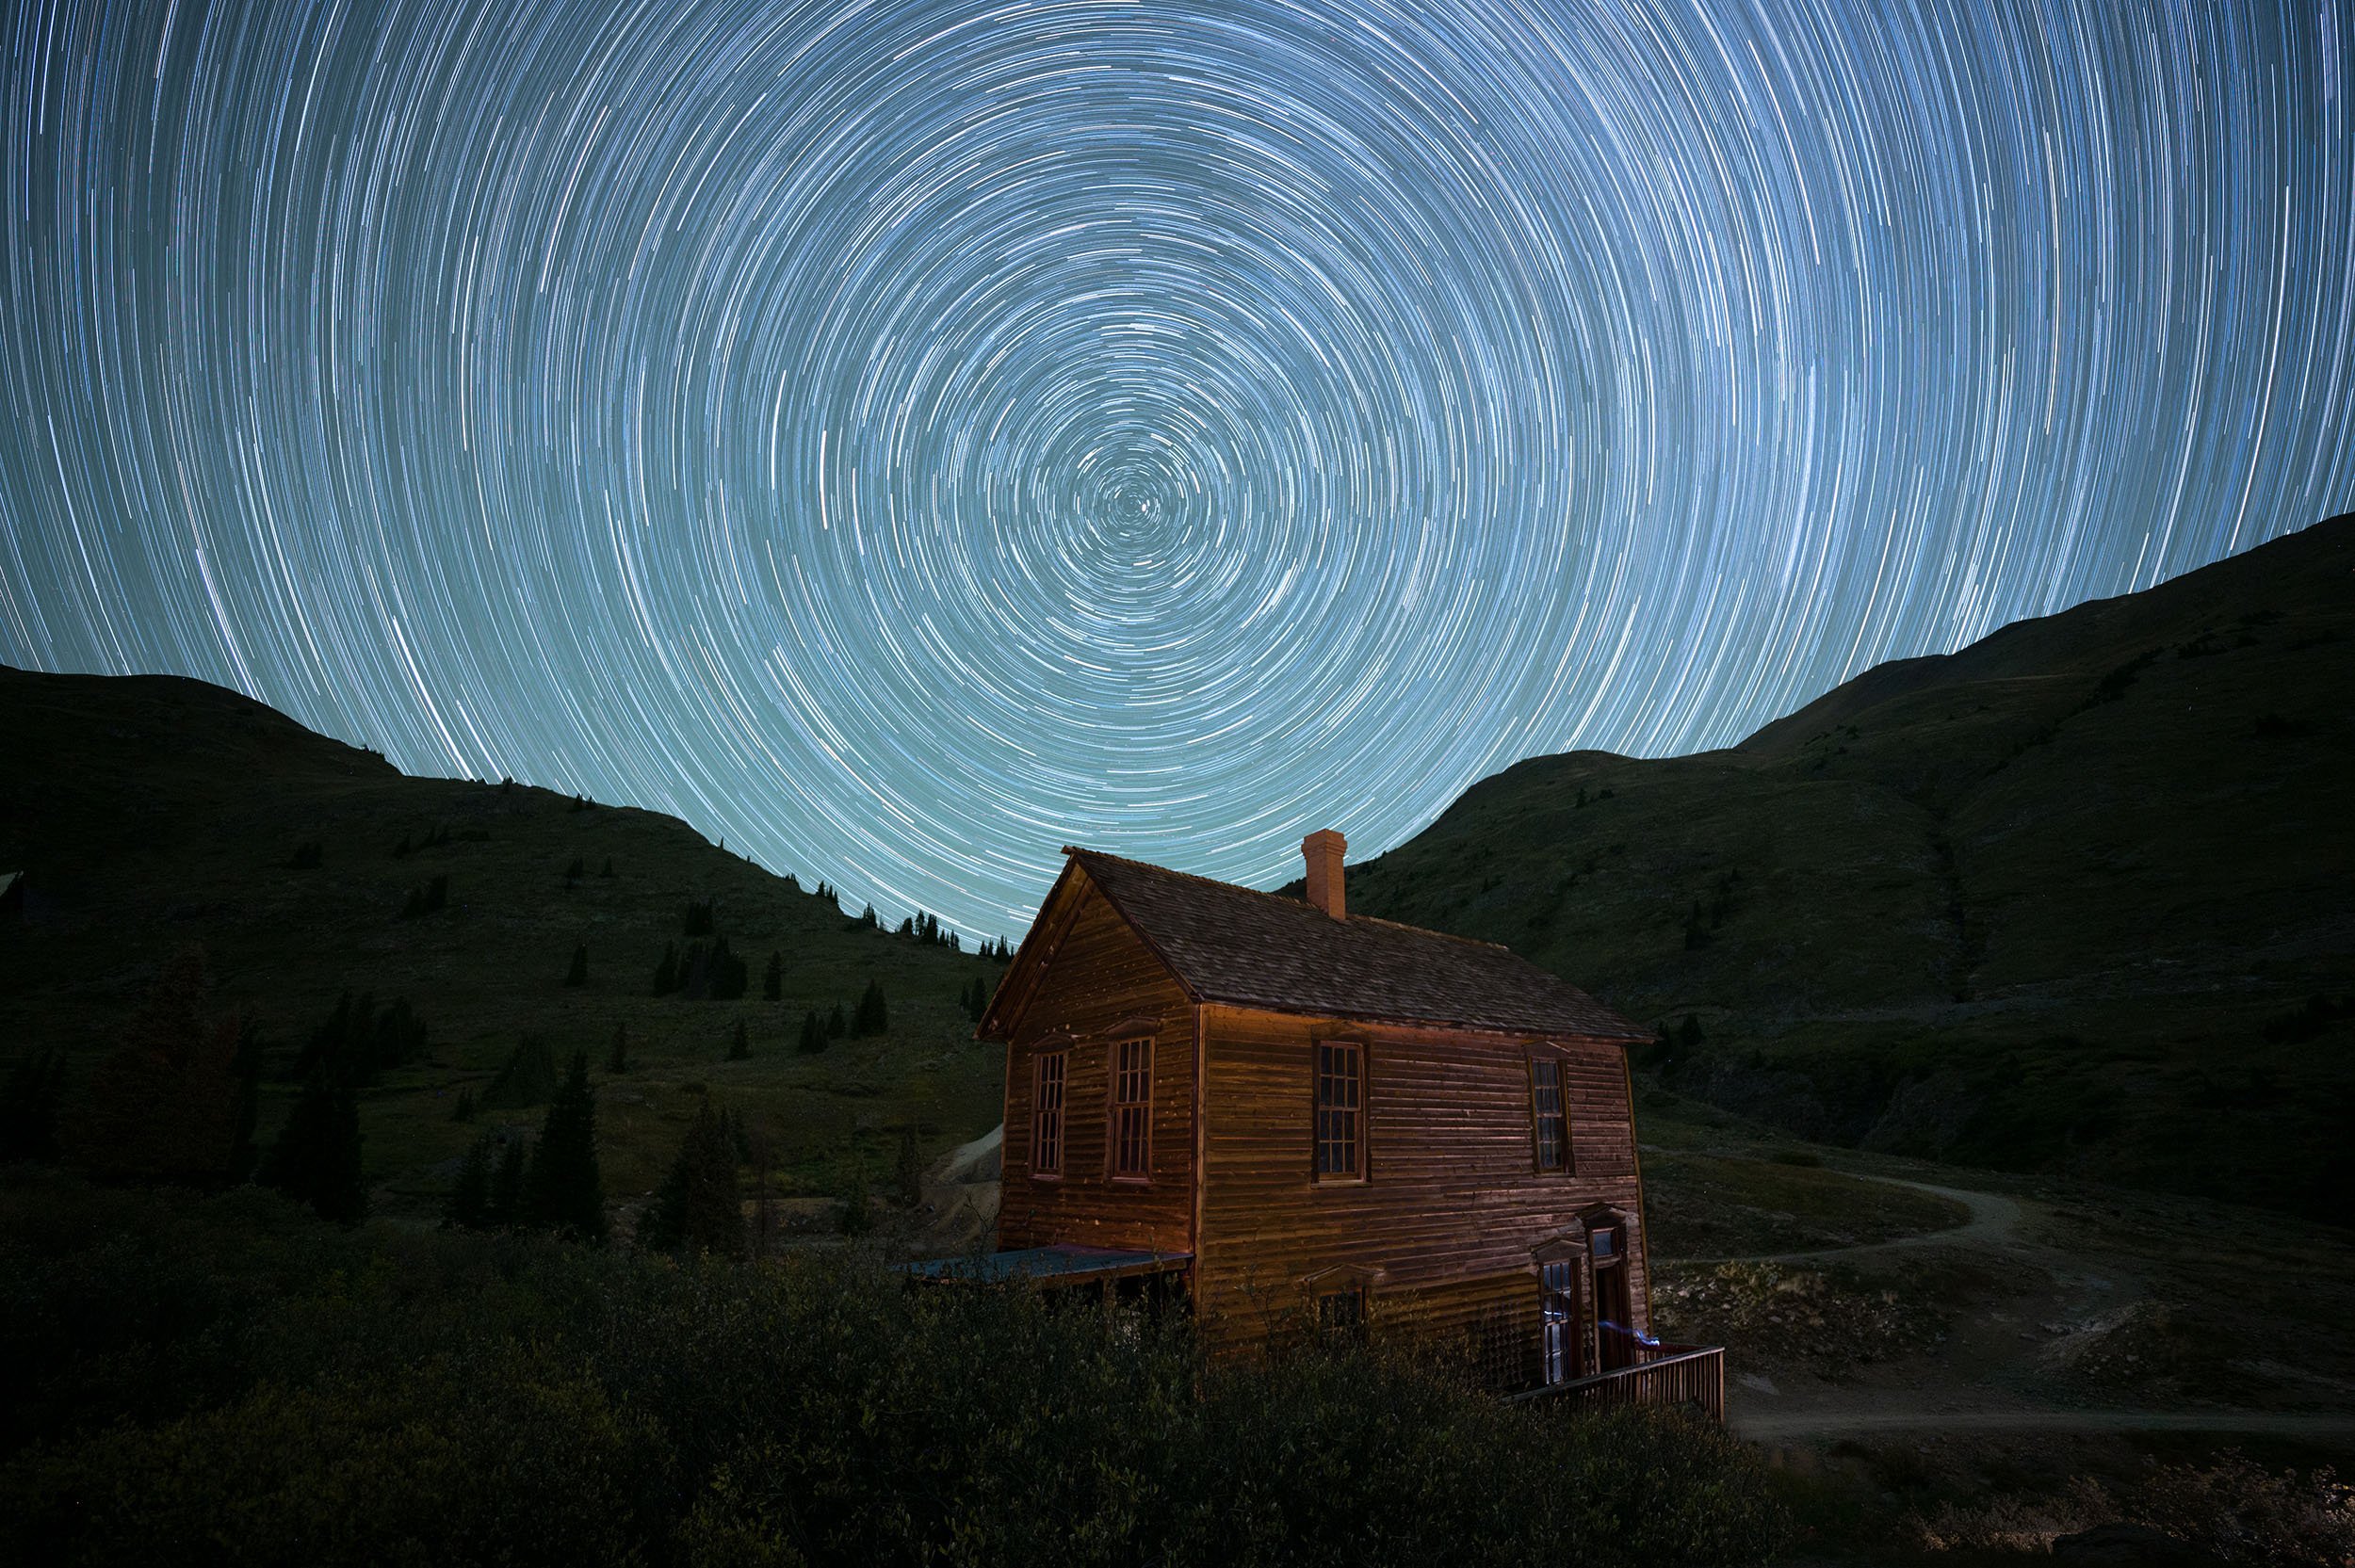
(1101, 985)
(1451, 1203)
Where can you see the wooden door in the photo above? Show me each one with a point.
(1560, 1345)
(1615, 1334)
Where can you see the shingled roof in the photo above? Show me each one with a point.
(1234, 944)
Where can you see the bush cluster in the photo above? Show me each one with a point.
(217, 1379)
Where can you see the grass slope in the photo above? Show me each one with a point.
(152, 812)
(2058, 901)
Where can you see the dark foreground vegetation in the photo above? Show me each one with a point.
(212, 1379)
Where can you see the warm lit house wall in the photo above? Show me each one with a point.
(1440, 1225)
(1101, 986)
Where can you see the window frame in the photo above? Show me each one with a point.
(1537, 1117)
(1115, 1106)
(1359, 1110)
(1061, 1054)
(1352, 1321)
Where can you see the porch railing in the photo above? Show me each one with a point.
(1664, 1374)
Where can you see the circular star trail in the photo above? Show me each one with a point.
(906, 437)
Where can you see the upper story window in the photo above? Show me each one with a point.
(1340, 1132)
(1549, 1119)
(1046, 1091)
(1132, 1108)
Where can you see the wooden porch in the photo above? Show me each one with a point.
(1663, 1374)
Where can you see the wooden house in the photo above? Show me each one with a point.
(1301, 1117)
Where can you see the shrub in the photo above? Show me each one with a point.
(211, 1380)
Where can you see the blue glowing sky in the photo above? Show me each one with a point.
(904, 438)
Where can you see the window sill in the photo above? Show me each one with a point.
(1337, 1181)
(1051, 1177)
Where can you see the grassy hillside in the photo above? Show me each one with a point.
(152, 812)
(2063, 899)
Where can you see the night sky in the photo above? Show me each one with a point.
(904, 438)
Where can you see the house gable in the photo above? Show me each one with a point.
(1088, 992)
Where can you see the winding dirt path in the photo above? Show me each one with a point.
(1994, 1221)
(1760, 1413)
(1841, 1423)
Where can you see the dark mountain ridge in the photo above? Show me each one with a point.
(150, 813)
(2076, 896)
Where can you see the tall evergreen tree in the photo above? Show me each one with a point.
(813, 1034)
(698, 1206)
(773, 981)
(836, 1028)
(469, 1205)
(506, 1186)
(578, 973)
(618, 1063)
(666, 973)
(527, 1078)
(564, 1192)
(741, 1043)
(317, 1157)
(872, 1017)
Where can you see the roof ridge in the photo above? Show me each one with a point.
(1303, 960)
(1077, 850)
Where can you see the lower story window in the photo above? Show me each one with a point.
(1342, 1312)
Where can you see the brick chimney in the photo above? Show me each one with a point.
(1323, 850)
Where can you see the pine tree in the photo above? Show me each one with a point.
(528, 1078)
(506, 1186)
(872, 1017)
(835, 1025)
(741, 1045)
(317, 1157)
(698, 1206)
(1690, 1035)
(465, 1110)
(729, 972)
(578, 973)
(564, 1192)
(772, 982)
(666, 973)
(618, 1063)
(469, 1205)
(609, 868)
(576, 870)
(813, 1034)
(396, 1039)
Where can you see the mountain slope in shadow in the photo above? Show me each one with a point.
(2080, 896)
(150, 813)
